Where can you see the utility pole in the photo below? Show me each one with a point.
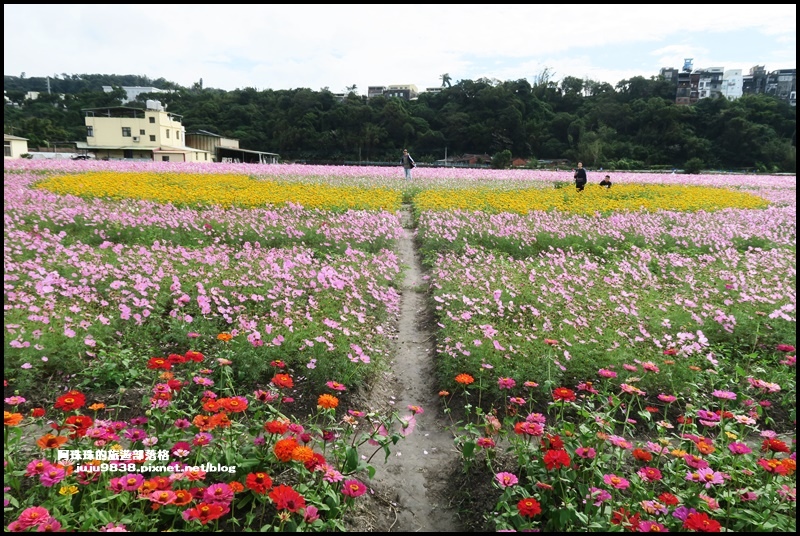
(48, 85)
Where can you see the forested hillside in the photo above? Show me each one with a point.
(635, 125)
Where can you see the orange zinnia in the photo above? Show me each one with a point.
(464, 379)
(283, 448)
(224, 337)
(50, 441)
(302, 454)
(11, 419)
(327, 401)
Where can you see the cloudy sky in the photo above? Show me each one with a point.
(315, 46)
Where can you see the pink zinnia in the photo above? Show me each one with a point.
(667, 398)
(131, 481)
(52, 476)
(725, 395)
(649, 474)
(651, 526)
(616, 481)
(30, 517)
(785, 348)
(219, 493)
(585, 452)
(506, 479)
(739, 448)
(486, 442)
(605, 373)
(353, 488)
(506, 383)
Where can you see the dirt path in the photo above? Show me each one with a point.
(411, 490)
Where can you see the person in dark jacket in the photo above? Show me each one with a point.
(580, 177)
(606, 181)
(408, 163)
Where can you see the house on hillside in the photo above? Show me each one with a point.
(227, 149)
(125, 133)
(14, 146)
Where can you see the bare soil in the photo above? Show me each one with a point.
(414, 491)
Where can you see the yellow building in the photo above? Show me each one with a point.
(125, 133)
(14, 146)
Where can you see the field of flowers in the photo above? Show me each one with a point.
(611, 360)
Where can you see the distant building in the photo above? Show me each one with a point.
(375, 91)
(14, 146)
(227, 149)
(132, 92)
(125, 133)
(732, 84)
(670, 74)
(403, 91)
(709, 82)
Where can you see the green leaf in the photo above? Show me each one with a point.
(351, 460)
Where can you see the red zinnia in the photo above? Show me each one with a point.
(282, 380)
(562, 393)
(529, 507)
(279, 427)
(156, 363)
(286, 498)
(555, 458)
(701, 523)
(642, 455)
(191, 355)
(775, 445)
(70, 401)
(668, 499)
(205, 512)
(259, 482)
(626, 519)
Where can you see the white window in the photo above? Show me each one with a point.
(126, 132)
(168, 133)
(89, 132)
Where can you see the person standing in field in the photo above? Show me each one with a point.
(606, 181)
(580, 177)
(408, 163)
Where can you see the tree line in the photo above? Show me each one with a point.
(635, 125)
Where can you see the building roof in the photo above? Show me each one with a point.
(236, 149)
(205, 133)
(84, 145)
(9, 137)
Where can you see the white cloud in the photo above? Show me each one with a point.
(283, 46)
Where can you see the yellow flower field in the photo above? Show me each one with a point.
(624, 197)
(226, 190)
